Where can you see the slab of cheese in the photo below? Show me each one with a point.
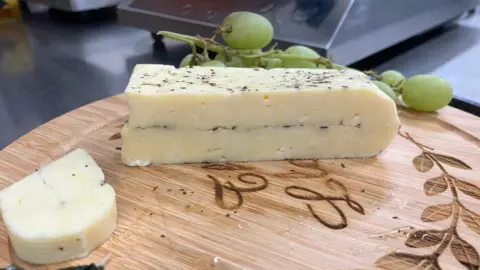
(205, 114)
(63, 211)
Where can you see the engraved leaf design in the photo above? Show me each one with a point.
(399, 260)
(452, 161)
(115, 136)
(465, 253)
(471, 219)
(437, 212)
(435, 186)
(468, 188)
(422, 163)
(425, 238)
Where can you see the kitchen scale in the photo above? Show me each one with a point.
(346, 30)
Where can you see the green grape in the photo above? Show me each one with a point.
(213, 63)
(393, 78)
(427, 93)
(235, 61)
(247, 30)
(300, 51)
(251, 62)
(186, 61)
(270, 63)
(386, 89)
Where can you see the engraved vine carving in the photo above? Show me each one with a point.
(463, 251)
(115, 136)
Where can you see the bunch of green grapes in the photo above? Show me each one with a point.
(247, 34)
(426, 93)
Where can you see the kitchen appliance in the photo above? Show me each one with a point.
(346, 30)
(76, 5)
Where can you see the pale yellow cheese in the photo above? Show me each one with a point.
(63, 211)
(238, 114)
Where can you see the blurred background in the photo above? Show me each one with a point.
(57, 55)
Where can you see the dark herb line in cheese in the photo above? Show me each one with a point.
(219, 128)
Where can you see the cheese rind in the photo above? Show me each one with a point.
(63, 211)
(234, 114)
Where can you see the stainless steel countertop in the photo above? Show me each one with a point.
(48, 68)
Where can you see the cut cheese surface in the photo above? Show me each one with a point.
(205, 114)
(63, 211)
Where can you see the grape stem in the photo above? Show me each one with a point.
(216, 47)
(194, 54)
(373, 74)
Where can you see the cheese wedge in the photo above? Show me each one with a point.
(205, 114)
(63, 211)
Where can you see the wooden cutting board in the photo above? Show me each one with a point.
(415, 206)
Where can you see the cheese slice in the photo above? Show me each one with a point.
(63, 211)
(207, 114)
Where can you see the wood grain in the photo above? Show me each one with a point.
(330, 214)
